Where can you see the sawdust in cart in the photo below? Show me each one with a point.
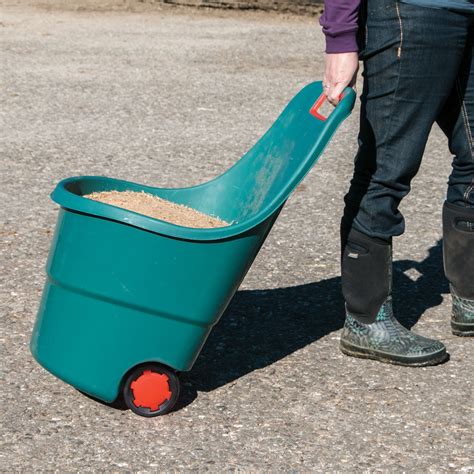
(153, 206)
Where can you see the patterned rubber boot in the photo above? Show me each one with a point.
(370, 330)
(386, 340)
(462, 319)
(458, 252)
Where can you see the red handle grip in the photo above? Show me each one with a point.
(314, 110)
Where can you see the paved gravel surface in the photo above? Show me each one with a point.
(173, 98)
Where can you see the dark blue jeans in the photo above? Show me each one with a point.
(418, 70)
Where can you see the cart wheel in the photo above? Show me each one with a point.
(151, 390)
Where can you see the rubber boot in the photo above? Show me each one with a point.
(458, 253)
(371, 330)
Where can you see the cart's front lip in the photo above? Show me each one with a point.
(66, 198)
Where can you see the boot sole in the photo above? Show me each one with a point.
(463, 330)
(387, 358)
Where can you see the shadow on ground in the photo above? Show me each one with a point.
(263, 326)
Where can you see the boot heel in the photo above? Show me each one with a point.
(463, 330)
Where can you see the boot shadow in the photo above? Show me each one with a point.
(261, 327)
(418, 286)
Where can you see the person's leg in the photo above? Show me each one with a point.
(457, 121)
(411, 59)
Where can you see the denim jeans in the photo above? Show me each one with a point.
(418, 70)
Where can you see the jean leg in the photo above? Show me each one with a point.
(457, 121)
(411, 59)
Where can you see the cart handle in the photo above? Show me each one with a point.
(314, 110)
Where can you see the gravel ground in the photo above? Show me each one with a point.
(174, 98)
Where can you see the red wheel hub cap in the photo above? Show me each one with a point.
(151, 390)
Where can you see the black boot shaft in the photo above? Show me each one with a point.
(458, 249)
(366, 275)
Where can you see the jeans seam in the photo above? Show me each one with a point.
(467, 129)
(465, 117)
(468, 193)
(399, 50)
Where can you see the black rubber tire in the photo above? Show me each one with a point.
(166, 406)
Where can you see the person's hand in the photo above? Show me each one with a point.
(340, 71)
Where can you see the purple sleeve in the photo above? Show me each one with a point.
(339, 22)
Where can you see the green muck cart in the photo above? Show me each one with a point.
(130, 300)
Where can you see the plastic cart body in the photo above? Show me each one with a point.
(124, 290)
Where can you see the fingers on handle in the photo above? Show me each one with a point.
(326, 86)
(334, 93)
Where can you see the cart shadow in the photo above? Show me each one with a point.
(261, 327)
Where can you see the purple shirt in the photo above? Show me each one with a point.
(339, 22)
